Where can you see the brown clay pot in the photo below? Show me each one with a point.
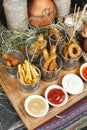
(41, 12)
(84, 30)
(85, 46)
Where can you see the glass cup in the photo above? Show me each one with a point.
(12, 71)
(67, 62)
(29, 87)
(56, 37)
(50, 75)
(33, 55)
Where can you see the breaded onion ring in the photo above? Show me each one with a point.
(74, 50)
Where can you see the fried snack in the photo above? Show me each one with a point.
(32, 47)
(58, 34)
(15, 62)
(50, 58)
(21, 72)
(5, 56)
(66, 54)
(41, 37)
(65, 49)
(40, 43)
(72, 50)
(52, 65)
(10, 60)
(27, 73)
(45, 54)
(33, 72)
(52, 50)
(8, 63)
(48, 61)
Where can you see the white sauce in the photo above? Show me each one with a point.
(73, 84)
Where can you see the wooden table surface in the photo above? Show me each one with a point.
(17, 97)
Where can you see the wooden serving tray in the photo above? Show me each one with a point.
(17, 97)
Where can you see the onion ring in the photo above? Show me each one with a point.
(74, 50)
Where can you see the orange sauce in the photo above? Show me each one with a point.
(84, 72)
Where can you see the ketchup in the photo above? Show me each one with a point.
(56, 96)
(84, 72)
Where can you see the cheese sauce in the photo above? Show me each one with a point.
(37, 106)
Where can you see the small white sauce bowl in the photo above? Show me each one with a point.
(36, 106)
(69, 22)
(81, 68)
(72, 84)
(52, 87)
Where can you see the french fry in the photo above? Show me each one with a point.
(27, 72)
(24, 68)
(34, 80)
(34, 71)
(28, 82)
(21, 72)
(27, 78)
(21, 77)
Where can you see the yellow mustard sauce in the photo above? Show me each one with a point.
(37, 106)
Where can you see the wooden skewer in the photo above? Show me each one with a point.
(33, 54)
(75, 25)
(78, 21)
(84, 9)
(74, 11)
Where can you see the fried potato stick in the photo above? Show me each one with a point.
(53, 65)
(45, 54)
(21, 72)
(46, 64)
(27, 72)
(28, 75)
(52, 50)
(32, 72)
(35, 71)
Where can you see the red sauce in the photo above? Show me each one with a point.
(84, 72)
(56, 96)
